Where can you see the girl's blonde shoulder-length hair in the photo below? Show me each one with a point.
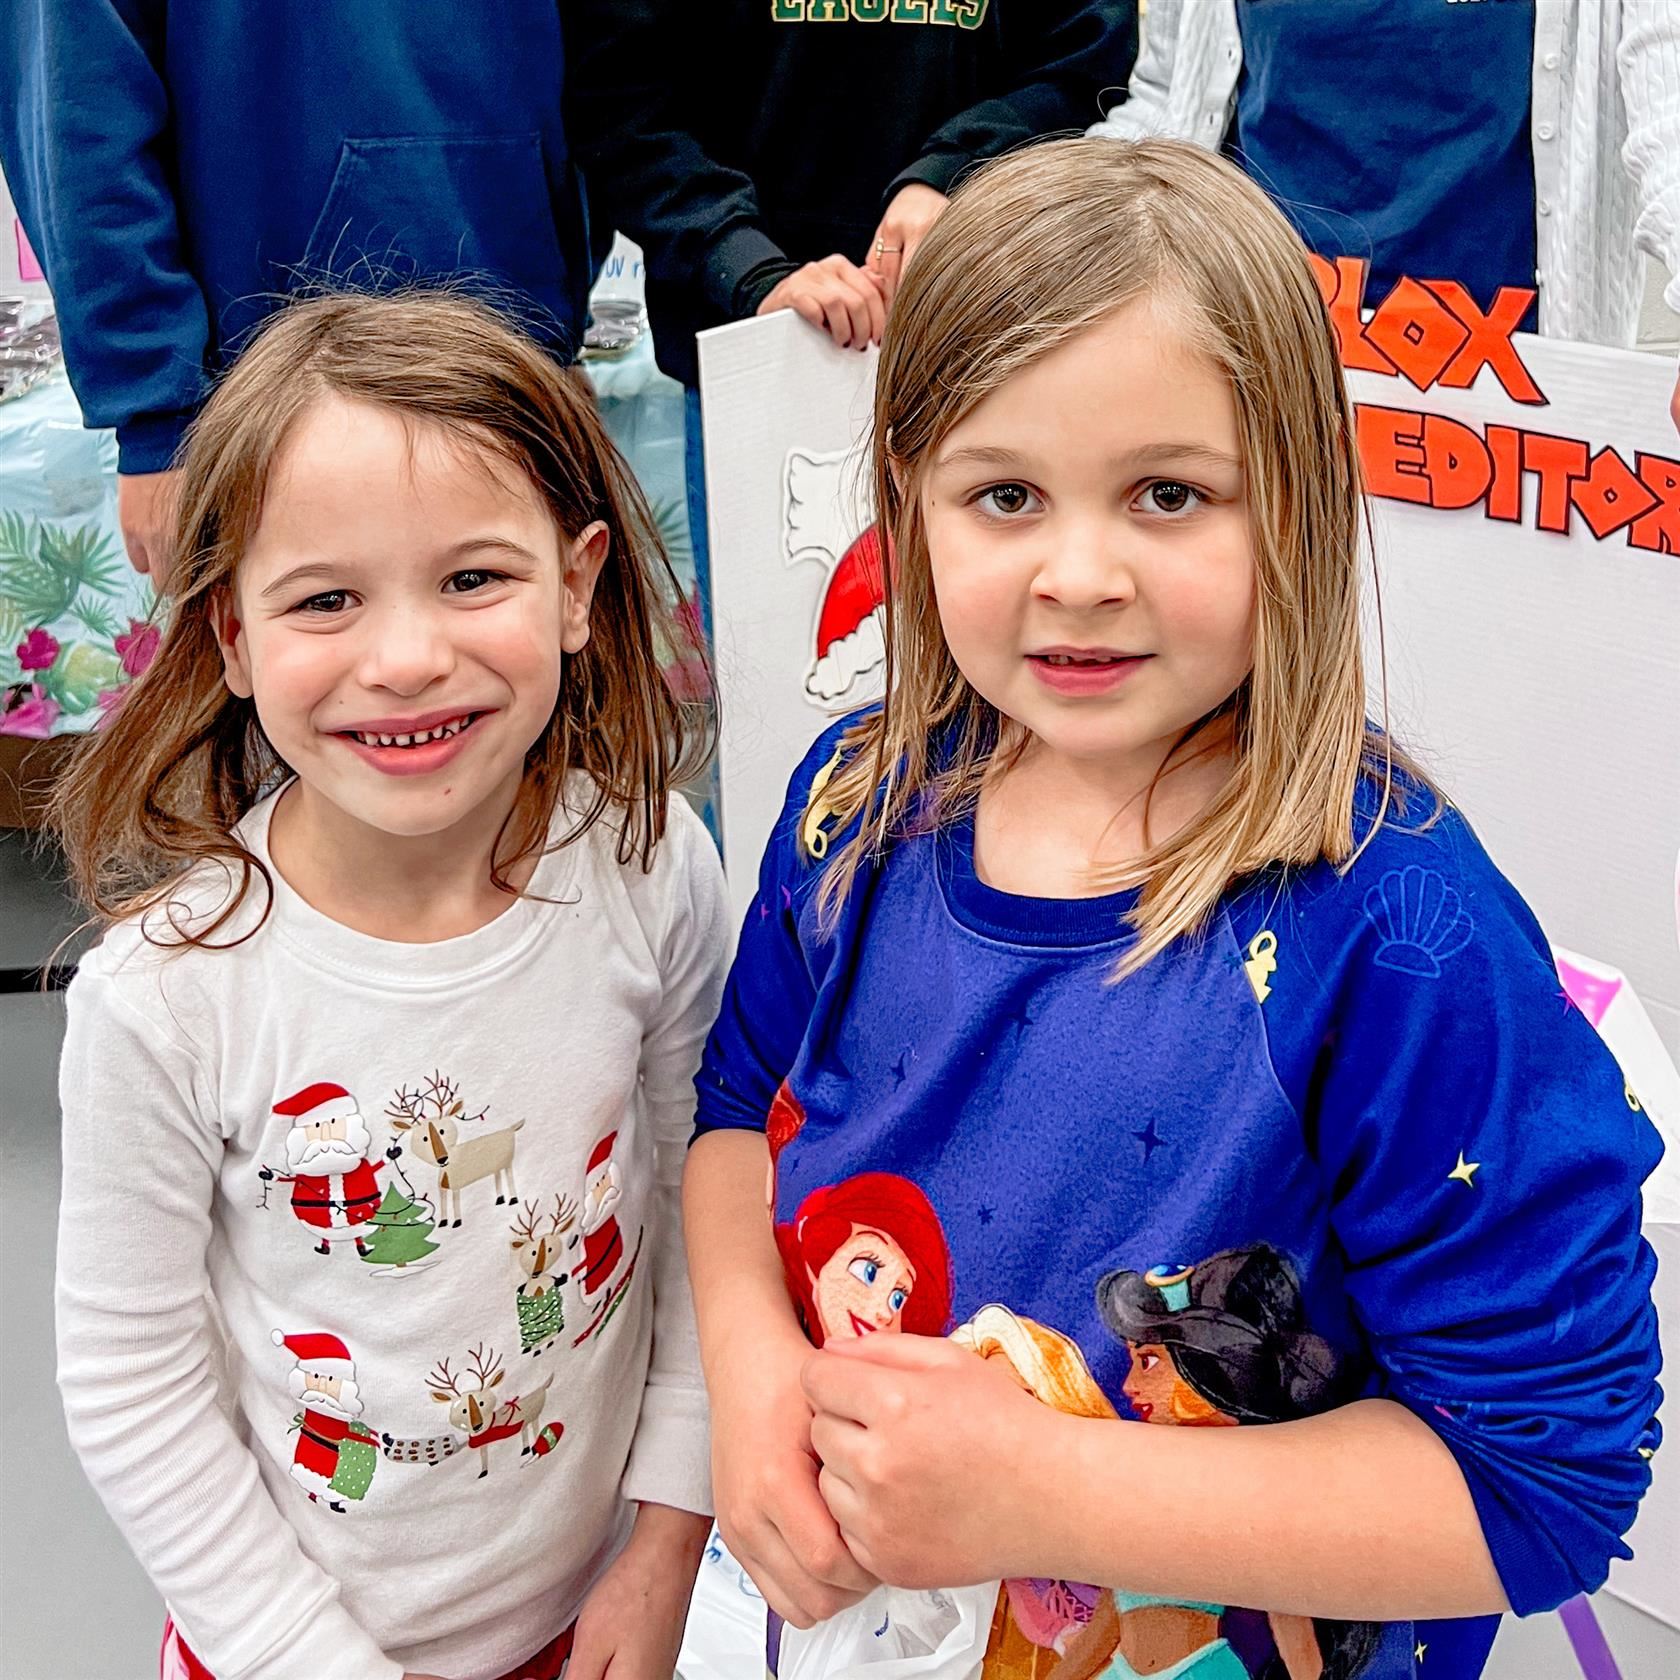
(1037, 248)
(159, 790)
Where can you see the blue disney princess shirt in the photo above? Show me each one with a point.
(1353, 1141)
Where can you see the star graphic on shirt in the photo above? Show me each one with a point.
(901, 1069)
(985, 1214)
(763, 911)
(1018, 1020)
(787, 897)
(1418, 1653)
(1465, 1172)
(1150, 1139)
(1569, 1004)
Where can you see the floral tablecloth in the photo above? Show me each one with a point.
(75, 618)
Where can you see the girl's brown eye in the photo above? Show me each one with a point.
(1008, 498)
(1170, 497)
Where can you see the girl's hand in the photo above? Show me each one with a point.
(835, 296)
(934, 1462)
(913, 211)
(764, 1477)
(631, 1624)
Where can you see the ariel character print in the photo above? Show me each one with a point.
(1214, 1345)
(1036, 1620)
(867, 1255)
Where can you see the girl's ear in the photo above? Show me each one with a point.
(580, 570)
(230, 639)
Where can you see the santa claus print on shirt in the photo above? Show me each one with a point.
(335, 1454)
(335, 1188)
(603, 1274)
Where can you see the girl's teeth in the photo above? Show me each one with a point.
(443, 729)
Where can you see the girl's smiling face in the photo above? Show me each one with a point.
(400, 616)
(864, 1286)
(1088, 530)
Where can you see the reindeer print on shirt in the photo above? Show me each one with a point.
(475, 1411)
(540, 1245)
(464, 1150)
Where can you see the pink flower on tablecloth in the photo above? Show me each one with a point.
(33, 717)
(108, 701)
(38, 650)
(137, 646)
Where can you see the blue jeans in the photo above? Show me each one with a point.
(694, 470)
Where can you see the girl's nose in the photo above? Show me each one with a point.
(1085, 566)
(406, 651)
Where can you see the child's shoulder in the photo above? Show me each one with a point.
(171, 957)
(1419, 890)
(809, 831)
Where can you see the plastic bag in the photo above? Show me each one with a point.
(724, 1639)
(896, 1635)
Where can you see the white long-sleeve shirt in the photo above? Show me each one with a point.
(1605, 128)
(559, 1040)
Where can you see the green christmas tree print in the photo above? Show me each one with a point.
(399, 1231)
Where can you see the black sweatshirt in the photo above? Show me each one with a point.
(737, 139)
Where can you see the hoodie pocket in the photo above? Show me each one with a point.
(422, 207)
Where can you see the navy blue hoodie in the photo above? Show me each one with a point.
(181, 165)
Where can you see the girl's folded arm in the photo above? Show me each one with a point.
(135, 1358)
(1482, 1157)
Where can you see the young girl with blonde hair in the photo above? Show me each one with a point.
(374, 1329)
(1218, 1046)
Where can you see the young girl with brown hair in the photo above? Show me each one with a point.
(374, 1330)
(1219, 1048)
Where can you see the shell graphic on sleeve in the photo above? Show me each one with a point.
(1421, 920)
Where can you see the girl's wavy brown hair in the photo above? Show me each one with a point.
(1036, 249)
(159, 790)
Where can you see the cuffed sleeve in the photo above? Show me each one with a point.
(698, 221)
(86, 149)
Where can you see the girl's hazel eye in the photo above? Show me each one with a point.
(328, 601)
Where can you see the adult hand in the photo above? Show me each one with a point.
(146, 511)
(836, 296)
(631, 1624)
(900, 1423)
(913, 211)
(764, 1477)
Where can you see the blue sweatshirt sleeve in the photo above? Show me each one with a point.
(779, 961)
(87, 152)
(1483, 1157)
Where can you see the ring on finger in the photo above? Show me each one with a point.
(883, 249)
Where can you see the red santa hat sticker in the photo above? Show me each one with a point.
(825, 519)
(320, 1101)
(317, 1351)
(601, 1153)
